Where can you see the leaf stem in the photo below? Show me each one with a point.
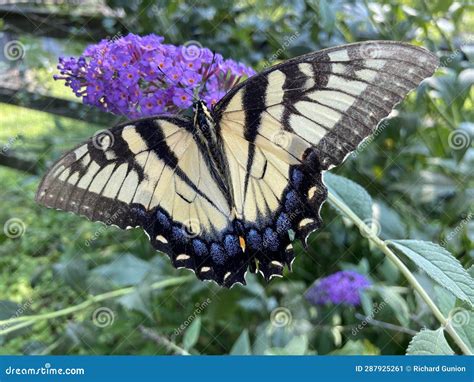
(24, 321)
(382, 245)
(163, 341)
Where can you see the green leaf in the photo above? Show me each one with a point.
(138, 300)
(242, 345)
(440, 265)
(429, 342)
(444, 300)
(358, 347)
(262, 342)
(351, 194)
(441, 5)
(73, 271)
(389, 271)
(471, 271)
(397, 303)
(80, 333)
(295, 345)
(126, 270)
(391, 224)
(367, 302)
(327, 16)
(10, 309)
(298, 345)
(191, 335)
(462, 321)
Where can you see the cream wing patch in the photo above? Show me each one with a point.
(166, 169)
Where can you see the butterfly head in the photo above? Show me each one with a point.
(201, 111)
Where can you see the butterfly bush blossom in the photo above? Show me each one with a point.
(140, 76)
(339, 288)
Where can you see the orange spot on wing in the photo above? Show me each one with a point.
(242, 243)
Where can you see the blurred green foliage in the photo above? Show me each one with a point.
(415, 169)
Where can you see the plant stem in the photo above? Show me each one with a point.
(163, 341)
(385, 325)
(382, 245)
(442, 114)
(24, 321)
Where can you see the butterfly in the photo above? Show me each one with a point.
(229, 189)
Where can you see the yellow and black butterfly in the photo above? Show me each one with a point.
(230, 188)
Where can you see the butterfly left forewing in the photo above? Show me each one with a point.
(152, 174)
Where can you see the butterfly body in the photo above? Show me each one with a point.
(230, 188)
(211, 142)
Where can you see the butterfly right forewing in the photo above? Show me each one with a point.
(284, 126)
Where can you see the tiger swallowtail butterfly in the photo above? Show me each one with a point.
(229, 189)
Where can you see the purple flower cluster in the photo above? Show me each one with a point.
(140, 76)
(339, 288)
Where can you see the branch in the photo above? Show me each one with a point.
(162, 341)
(24, 321)
(385, 325)
(17, 163)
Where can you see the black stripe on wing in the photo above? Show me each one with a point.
(377, 75)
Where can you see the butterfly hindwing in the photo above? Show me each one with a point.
(284, 126)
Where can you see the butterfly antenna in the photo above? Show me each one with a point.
(209, 72)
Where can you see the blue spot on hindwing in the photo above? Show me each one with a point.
(283, 223)
(297, 178)
(231, 244)
(178, 234)
(163, 221)
(218, 254)
(200, 248)
(291, 201)
(270, 239)
(254, 240)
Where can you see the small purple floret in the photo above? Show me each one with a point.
(339, 288)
